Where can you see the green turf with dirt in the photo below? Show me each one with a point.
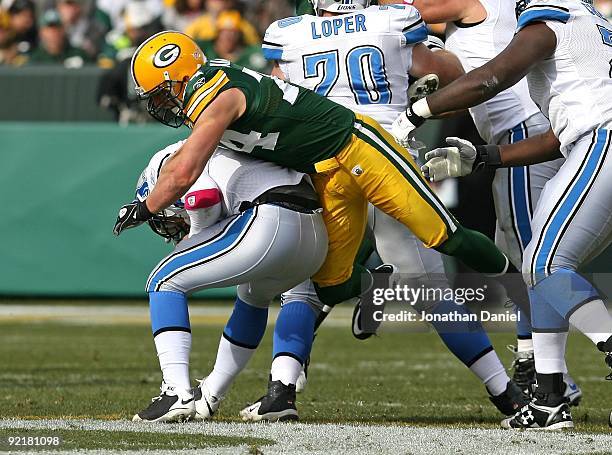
(110, 372)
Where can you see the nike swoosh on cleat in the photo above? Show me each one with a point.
(187, 402)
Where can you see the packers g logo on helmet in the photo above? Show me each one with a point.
(166, 56)
(161, 68)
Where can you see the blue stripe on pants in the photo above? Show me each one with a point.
(519, 195)
(570, 204)
(199, 254)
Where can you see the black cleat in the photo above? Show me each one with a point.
(547, 411)
(385, 271)
(524, 369)
(278, 405)
(511, 400)
(170, 406)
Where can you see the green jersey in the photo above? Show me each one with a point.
(283, 123)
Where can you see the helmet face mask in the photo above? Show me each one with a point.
(165, 105)
(169, 225)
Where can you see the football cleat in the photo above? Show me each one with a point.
(547, 411)
(302, 379)
(524, 369)
(278, 405)
(511, 400)
(205, 403)
(172, 405)
(572, 394)
(384, 270)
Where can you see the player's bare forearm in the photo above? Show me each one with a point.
(183, 169)
(277, 72)
(443, 63)
(532, 44)
(438, 11)
(535, 149)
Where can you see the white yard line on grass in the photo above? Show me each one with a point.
(349, 439)
(137, 314)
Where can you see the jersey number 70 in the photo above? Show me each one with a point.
(365, 69)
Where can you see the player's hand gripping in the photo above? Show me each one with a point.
(454, 161)
(404, 125)
(131, 215)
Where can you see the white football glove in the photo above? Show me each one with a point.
(404, 125)
(446, 162)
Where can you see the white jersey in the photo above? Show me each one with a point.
(475, 45)
(228, 179)
(360, 60)
(573, 87)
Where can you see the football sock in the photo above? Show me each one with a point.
(549, 352)
(524, 344)
(523, 330)
(491, 372)
(476, 251)
(173, 350)
(285, 369)
(231, 360)
(593, 320)
(333, 295)
(468, 341)
(241, 336)
(294, 331)
(172, 336)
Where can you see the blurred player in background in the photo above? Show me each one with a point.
(245, 222)
(564, 48)
(374, 81)
(476, 31)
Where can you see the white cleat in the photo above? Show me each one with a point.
(205, 403)
(172, 405)
(572, 391)
(301, 382)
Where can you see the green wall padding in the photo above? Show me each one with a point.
(61, 186)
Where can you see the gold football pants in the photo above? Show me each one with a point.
(373, 167)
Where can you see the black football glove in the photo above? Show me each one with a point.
(131, 215)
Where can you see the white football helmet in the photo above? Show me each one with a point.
(172, 223)
(339, 6)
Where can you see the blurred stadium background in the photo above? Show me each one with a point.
(73, 140)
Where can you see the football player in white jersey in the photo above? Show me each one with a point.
(367, 69)
(476, 31)
(564, 47)
(246, 222)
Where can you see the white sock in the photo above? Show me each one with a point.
(549, 352)
(285, 369)
(231, 360)
(173, 349)
(524, 345)
(491, 372)
(593, 320)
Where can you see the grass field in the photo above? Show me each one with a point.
(68, 371)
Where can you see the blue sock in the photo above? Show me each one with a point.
(293, 332)
(523, 325)
(545, 318)
(565, 290)
(169, 311)
(246, 325)
(467, 340)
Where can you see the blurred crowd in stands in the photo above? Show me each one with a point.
(105, 32)
(74, 33)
